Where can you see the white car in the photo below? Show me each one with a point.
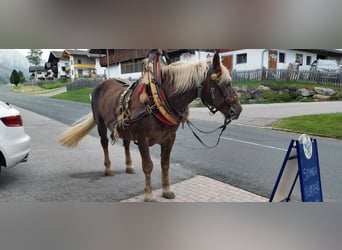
(14, 142)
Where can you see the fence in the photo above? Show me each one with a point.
(334, 79)
(83, 83)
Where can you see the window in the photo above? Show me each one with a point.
(79, 61)
(282, 57)
(308, 60)
(241, 58)
(299, 59)
(131, 67)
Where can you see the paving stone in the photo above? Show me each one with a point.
(204, 189)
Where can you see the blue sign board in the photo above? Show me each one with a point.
(309, 174)
(300, 160)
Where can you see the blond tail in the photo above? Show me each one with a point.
(75, 134)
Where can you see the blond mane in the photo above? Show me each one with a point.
(188, 75)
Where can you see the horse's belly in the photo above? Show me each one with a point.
(145, 131)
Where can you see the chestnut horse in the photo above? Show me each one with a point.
(133, 117)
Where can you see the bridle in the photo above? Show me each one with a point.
(228, 100)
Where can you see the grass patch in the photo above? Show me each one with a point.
(77, 95)
(50, 86)
(328, 125)
(29, 89)
(37, 89)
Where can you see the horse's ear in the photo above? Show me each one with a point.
(216, 62)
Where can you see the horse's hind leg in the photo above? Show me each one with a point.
(129, 166)
(165, 165)
(102, 129)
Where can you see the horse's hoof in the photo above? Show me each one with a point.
(149, 198)
(130, 170)
(109, 173)
(169, 195)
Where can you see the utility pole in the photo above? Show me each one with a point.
(108, 64)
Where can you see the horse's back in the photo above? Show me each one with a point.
(105, 99)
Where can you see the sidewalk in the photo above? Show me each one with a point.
(263, 115)
(204, 189)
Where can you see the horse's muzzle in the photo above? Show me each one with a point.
(235, 112)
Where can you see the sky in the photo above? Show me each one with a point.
(45, 55)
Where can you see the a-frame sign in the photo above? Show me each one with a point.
(301, 160)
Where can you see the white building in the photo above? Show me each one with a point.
(127, 63)
(73, 64)
(251, 59)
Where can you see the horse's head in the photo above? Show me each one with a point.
(217, 90)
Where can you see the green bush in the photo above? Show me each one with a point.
(52, 85)
(270, 95)
(336, 97)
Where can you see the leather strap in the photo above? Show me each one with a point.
(160, 104)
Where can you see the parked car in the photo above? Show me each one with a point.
(325, 66)
(322, 69)
(14, 142)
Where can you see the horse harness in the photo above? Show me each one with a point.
(158, 104)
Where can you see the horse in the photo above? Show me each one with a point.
(152, 110)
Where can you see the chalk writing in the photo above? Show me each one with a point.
(309, 172)
(312, 190)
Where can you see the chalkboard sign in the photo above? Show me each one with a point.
(300, 160)
(309, 174)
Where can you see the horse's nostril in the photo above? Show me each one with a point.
(232, 113)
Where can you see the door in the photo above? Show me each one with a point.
(228, 62)
(272, 59)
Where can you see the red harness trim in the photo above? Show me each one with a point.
(140, 90)
(160, 117)
(155, 110)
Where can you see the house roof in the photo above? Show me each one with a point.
(335, 51)
(54, 55)
(101, 52)
(36, 68)
(77, 52)
(73, 52)
(124, 55)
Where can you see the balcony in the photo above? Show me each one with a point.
(81, 66)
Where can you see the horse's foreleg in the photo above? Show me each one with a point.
(147, 166)
(165, 165)
(129, 166)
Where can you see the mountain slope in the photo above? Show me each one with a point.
(12, 59)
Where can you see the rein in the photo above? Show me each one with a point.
(222, 127)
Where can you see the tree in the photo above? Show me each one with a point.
(34, 56)
(14, 78)
(21, 77)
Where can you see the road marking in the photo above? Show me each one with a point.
(254, 144)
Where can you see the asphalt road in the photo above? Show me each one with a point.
(247, 157)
